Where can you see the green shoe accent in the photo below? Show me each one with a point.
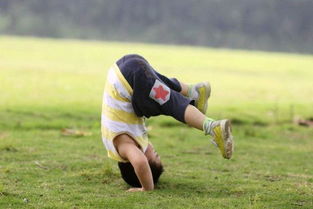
(206, 123)
(189, 93)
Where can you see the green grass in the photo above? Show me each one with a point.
(48, 85)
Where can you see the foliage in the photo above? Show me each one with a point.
(279, 25)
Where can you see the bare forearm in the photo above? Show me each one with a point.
(144, 175)
(128, 150)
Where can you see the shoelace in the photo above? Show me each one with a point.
(213, 142)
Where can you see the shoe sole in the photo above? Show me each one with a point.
(228, 139)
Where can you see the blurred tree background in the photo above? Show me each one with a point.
(273, 25)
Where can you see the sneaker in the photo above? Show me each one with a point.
(222, 138)
(201, 93)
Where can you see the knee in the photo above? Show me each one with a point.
(136, 63)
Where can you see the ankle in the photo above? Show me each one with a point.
(207, 125)
(192, 93)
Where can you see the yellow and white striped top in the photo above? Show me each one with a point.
(118, 115)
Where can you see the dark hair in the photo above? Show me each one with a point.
(130, 177)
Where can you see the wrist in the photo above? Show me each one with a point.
(143, 189)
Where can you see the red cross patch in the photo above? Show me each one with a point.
(160, 92)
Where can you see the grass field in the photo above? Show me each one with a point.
(48, 85)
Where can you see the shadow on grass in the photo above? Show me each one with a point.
(49, 119)
(171, 124)
(240, 122)
(186, 188)
(8, 148)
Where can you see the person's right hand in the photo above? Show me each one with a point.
(136, 189)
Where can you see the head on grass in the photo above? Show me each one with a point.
(128, 172)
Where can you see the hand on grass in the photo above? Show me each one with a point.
(135, 190)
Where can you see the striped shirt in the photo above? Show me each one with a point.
(118, 115)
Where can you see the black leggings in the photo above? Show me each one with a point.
(142, 78)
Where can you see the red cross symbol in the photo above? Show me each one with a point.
(160, 92)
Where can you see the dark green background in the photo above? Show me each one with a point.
(275, 25)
